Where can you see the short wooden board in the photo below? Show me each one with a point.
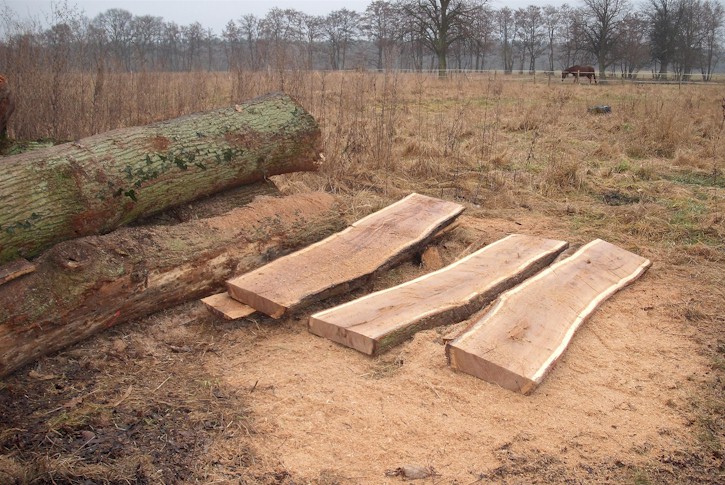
(517, 342)
(15, 269)
(378, 321)
(345, 260)
(226, 307)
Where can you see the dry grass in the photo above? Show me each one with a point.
(649, 176)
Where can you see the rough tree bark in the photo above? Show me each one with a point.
(102, 182)
(94, 282)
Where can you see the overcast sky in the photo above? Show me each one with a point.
(212, 13)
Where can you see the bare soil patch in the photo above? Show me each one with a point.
(184, 397)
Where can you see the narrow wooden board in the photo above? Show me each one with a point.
(345, 260)
(227, 307)
(378, 321)
(15, 269)
(517, 342)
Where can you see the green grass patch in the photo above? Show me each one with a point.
(714, 179)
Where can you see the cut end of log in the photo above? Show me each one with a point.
(226, 307)
(469, 363)
(255, 300)
(362, 343)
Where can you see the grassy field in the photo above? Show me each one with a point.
(521, 156)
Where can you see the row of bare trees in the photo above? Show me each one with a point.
(680, 36)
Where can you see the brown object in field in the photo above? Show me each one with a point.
(105, 181)
(91, 283)
(227, 307)
(517, 342)
(345, 260)
(7, 106)
(376, 322)
(15, 269)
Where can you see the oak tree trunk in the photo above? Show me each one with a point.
(102, 182)
(91, 283)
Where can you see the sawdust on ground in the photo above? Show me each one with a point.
(264, 401)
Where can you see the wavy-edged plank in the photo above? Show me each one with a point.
(518, 341)
(378, 321)
(345, 260)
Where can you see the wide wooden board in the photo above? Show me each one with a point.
(375, 322)
(518, 341)
(345, 260)
(227, 307)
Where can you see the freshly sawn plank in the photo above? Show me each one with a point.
(227, 307)
(345, 260)
(517, 342)
(378, 321)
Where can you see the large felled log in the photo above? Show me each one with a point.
(104, 181)
(375, 322)
(345, 260)
(516, 343)
(91, 283)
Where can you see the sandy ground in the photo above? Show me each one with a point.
(615, 399)
(264, 401)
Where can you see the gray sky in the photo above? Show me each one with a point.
(212, 13)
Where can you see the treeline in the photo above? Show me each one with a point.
(680, 37)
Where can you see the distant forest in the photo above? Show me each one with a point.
(682, 39)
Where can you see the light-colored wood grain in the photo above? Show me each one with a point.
(376, 322)
(519, 340)
(15, 269)
(227, 307)
(345, 260)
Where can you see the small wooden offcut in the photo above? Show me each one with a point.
(376, 322)
(345, 260)
(517, 342)
(227, 307)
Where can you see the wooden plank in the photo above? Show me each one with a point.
(15, 269)
(227, 307)
(518, 341)
(345, 260)
(378, 321)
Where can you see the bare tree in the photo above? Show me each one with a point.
(146, 34)
(602, 29)
(632, 50)
(311, 31)
(713, 32)
(279, 31)
(193, 38)
(231, 42)
(171, 46)
(662, 32)
(442, 22)
(507, 35)
(249, 31)
(118, 27)
(341, 28)
(573, 48)
(380, 26)
(481, 35)
(533, 33)
(552, 24)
